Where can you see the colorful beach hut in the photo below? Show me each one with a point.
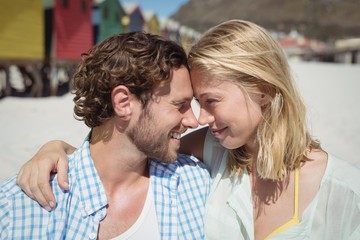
(174, 30)
(152, 24)
(170, 29)
(68, 34)
(136, 18)
(21, 30)
(163, 27)
(68, 29)
(21, 47)
(108, 18)
(188, 37)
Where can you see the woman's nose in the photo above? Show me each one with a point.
(205, 117)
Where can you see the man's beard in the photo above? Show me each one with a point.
(150, 140)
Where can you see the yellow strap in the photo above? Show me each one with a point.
(295, 219)
(296, 195)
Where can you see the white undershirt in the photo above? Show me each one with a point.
(146, 226)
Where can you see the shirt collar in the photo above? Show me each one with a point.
(91, 191)
(240, 200)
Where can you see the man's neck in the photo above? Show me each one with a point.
(123, 171)
(118, 162)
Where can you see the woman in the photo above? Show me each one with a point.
(271, 179)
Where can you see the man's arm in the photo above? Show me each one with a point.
(34, 175)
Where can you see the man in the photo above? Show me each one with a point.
(134, 91)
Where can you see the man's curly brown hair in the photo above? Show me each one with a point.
(137, 60)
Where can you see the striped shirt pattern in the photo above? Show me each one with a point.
(180, 192)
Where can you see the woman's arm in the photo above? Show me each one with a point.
(34, 175)
(193, 143)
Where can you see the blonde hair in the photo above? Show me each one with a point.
(246, 54)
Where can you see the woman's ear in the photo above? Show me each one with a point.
(121, 98)
(264, 99)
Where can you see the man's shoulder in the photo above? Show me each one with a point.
(78, 156)
(15, 204)
(183, 161)
(189, 160)
(9, 188)
(11, 192)
(186, 166)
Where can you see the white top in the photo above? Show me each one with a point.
(334, 213)
(146, 226)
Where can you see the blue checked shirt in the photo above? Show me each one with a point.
(180, 192)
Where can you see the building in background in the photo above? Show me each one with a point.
(136, 20)
(152, 24)
(21, 30)
(21, 46)
(188, 37)
(42, 40)
(347, 50)
(70, 32)
(108, 18)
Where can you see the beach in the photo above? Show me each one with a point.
(330, 91)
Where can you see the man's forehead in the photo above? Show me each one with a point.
(173, 93)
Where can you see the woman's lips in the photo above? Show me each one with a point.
(217, 132)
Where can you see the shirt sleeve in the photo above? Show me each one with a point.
(356, 234)
(356, 221)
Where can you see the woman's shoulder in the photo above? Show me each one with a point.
(330, 169)
(315, 164)
(330, 177)
(343, 172)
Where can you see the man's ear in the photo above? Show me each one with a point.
(121, 98)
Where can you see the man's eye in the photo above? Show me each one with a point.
(180, 105)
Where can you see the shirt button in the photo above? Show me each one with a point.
(92, 235)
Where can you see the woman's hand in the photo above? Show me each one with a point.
(34, 175)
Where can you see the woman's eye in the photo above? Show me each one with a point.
(205, 102)
(209, 101)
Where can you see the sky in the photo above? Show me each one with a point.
(162, 8)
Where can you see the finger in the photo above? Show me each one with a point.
(45, 194)
(22, 180)
(44, 188)
(35, 189)
(62, 172)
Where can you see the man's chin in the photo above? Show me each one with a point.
(169, 158)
